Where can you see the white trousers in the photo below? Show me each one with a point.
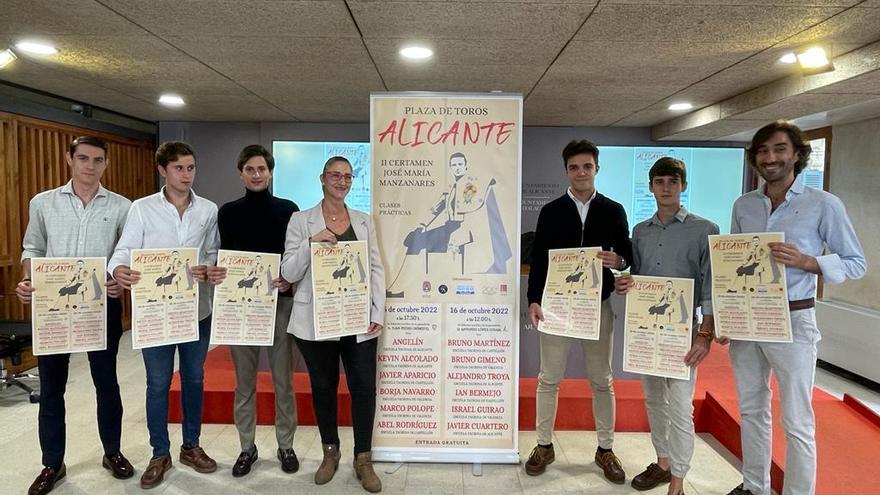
(670, 405)
(794, 365)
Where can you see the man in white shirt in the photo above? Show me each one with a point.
(172, 218)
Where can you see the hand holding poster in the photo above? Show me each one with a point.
(68, 310)
(245, 303)
(749, 293)
(572, 300)
(165, 302)
(341, 288)
(657, 329)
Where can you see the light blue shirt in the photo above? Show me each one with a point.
(812, 220)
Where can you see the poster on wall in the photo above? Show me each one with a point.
(749, 292)
(68, 312)
(446, 203)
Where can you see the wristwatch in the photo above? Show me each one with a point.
(622, 264)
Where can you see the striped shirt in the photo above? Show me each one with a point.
(60, 226)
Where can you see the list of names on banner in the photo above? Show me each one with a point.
(410, 368)
(478, 371)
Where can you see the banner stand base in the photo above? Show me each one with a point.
(393, 468)
(475, 458)
(477, 469)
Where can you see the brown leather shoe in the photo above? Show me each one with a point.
(610, 465)
(197, 459)
(651, 477)
(119, 465)
(538, 460)
(363, 469)
(45, 482)
(154, 475)
(329, 464)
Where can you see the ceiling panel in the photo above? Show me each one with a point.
(48, 18)
(470, 20)
(731, 23)
(258, 19)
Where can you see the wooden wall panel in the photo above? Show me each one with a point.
(32, 160)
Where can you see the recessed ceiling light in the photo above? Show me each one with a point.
(36, 48)
(416, 52)
(680, 106)
(813, 58)
(788, 58)
(6, 57)
(171, 100)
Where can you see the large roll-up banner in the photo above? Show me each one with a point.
(446, 203)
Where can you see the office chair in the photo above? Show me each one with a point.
(15, 336)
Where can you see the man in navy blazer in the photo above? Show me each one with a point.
(580, 218)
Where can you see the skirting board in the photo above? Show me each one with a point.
(850, 337)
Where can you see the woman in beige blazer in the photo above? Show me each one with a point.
(331, 221)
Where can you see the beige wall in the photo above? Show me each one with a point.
(855, 179)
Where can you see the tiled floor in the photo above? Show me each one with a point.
(714, 468)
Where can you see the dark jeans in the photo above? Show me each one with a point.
(53, 383)
(359, 361)
(159, 362)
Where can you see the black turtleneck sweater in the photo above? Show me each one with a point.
(256, 222)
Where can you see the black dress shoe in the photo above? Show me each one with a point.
(289, 462)
(119, 465)
(45, 482)
(243, 464)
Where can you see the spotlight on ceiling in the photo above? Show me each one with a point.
(6, 58)
(416, 52)
(789, 58)
(814, 60)
(36, 48)
(170, 100)
(678, 107)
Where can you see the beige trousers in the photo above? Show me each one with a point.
(597, 356)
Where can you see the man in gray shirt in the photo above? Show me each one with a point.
(78, 219)
(673, 243)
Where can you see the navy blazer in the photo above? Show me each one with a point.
(559, 226)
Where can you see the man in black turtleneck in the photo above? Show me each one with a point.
(257, 222)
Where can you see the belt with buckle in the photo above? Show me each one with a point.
(801, 304)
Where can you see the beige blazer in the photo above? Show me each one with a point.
(296, 267)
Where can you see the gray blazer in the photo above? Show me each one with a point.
(296, 267)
